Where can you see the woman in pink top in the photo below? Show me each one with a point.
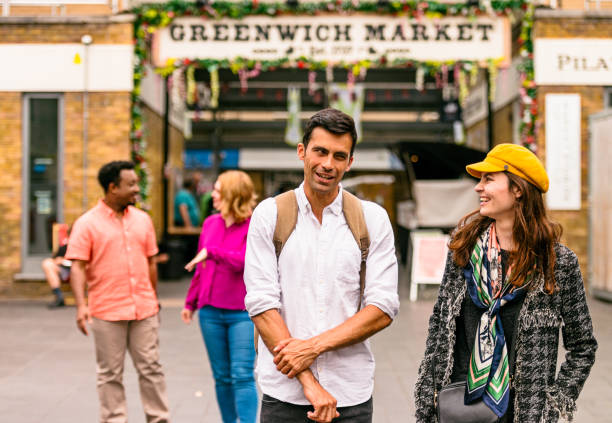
(217, 290)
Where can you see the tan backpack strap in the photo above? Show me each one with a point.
(353, 213)
(286, 219)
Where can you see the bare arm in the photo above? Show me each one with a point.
(201, 256)
(185, 215)
(77, 282)
(272, 329)
(153, 273)
(295, 355)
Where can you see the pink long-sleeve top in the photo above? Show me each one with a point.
(220, 283)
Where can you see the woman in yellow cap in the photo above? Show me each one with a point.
(508, 286)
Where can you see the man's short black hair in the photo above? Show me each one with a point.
(334, 121)
(111, 172)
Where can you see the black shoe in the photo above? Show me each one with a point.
(59, 302)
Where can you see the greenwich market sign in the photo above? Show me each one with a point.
(432, 36)
(334, 38)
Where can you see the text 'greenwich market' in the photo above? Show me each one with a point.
(325, 32)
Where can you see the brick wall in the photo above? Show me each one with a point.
(67, 32)
(10, 191)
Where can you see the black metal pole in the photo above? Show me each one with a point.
(165, 148)
(216, 145)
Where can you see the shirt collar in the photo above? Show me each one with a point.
(304, 205)
(110, 212)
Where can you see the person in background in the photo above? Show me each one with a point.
(57, 270)
(217, 290)
(186, 210)
(508, 286)
(113, 250)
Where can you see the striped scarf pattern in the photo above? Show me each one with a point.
(489, 373)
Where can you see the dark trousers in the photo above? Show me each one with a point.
(275, 411)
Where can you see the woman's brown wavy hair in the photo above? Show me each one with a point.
(237, 195)
(534, 234)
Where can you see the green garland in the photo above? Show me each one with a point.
(150, 18)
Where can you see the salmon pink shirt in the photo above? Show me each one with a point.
(116, 251)
(219, 283)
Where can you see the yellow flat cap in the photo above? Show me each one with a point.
(515, 159)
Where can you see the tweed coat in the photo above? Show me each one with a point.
(541, 394)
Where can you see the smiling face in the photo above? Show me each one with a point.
(216, 195)
(326, 159)
(497, 200)
(126, 192)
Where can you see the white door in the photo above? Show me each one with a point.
(600, 239)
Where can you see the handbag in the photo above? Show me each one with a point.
(451, 408)
(450, 401)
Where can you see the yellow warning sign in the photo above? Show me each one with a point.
(77, 59)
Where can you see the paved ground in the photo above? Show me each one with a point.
(47, 369)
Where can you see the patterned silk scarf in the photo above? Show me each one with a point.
(488, 373)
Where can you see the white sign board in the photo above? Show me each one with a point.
(61, 67)
(586, 61)
(429, 250)
(475, 108)
(334, 38)
(563, 151)
(432, 194)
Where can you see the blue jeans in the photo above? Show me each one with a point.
(228, 336)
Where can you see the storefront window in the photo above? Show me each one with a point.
(42, 169)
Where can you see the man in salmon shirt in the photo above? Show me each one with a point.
(113, 247)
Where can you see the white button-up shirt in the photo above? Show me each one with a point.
(315, 287)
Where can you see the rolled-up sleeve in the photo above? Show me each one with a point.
(381, 265)
(261, 265)
(80, 241)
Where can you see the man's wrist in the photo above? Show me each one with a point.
(306, 378)
(318, 345)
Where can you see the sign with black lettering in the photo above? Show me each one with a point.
(586, 61)
(334, 38)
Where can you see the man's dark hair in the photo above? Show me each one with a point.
(334, 121)
(111, 172)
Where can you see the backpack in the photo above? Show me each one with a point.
(286, 219)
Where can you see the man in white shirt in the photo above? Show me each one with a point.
(318, 364)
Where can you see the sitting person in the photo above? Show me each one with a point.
(57, 270)
(186, 211)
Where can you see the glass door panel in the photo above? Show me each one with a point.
(43, 168)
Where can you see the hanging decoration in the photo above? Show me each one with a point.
(293, 131)
(348, 99)
(528, 90)
(151, 17)
(214, 87)
(312, 82)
